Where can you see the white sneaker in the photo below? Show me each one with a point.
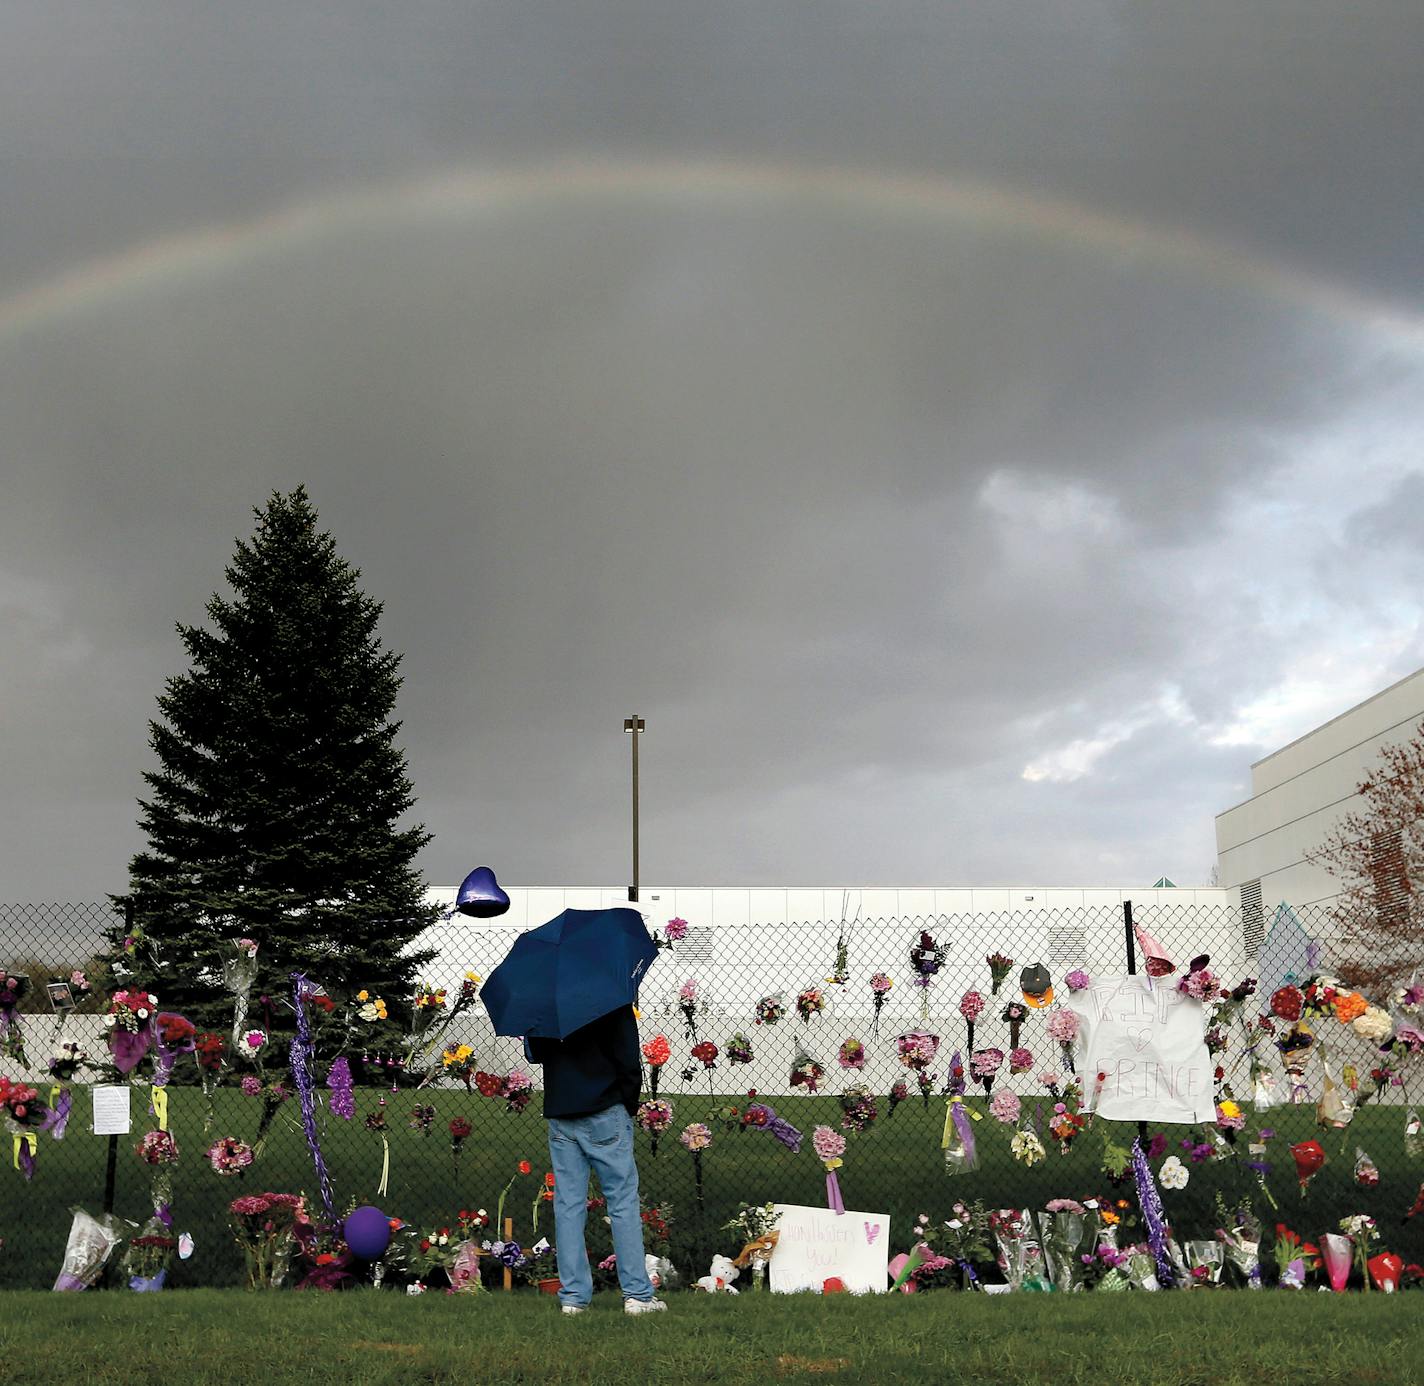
(644, 1306)
(574, 1308)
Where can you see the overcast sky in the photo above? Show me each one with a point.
(970, 434)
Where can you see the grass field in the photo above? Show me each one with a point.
(894, 1167)
(365, 1338)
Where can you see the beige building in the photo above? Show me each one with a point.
(1299, 793)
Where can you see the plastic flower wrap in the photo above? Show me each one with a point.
(1296, 1047)
(770, 1009)
(1239, 1232)
(810, 1002)
(1014, 1015)
(1063, 1027)
(1200, 982)
(1062, 1226)
(880, 985)
(759, 1116)
(1026, 1148)
(1005, 1107)
(806, 1070)
(858, 1108)
(1000, 964)
(129, 1027)
(1336, 1252)
(239, 972)
(1413, 1135)
(657, 1051)
(1065, 1126)
(961, 1150)
(984, 1064)
(926, 959)
(654, 1117)
(1408, 999)
(1335, 1108)
(899, 1091)
(1016, 1248)
(1366, 1171)
(1020, 1060)
(696, 1137)
(687, 995)
(829, 1146)
(739, 1049)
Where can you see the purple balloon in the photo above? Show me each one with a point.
(367, 1232)
(480, 895)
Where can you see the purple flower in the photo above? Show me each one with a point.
(338, 1079)
(1077, 980)
(1157, 1146)
(251, 1085)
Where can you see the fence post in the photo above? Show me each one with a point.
(1128, 935)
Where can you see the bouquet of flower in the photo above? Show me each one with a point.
(1309, 1159)
(65, 1061)
(880, 985)
(758, 1116)
(229, 1156)
(1000, 965)
(770, 1009)
(696, 1137)
(273, 1094)
(829, 1146)
(517, 1090)
(129, 1030)
(422, 1118)
(1006, 1107)
(1239, 1232)
(21, 1105)
(1204, 1261)
(806, 1071)
(926, 959)
(899, 1091)
(13, 987)
(984, 1064)
(250, 1044)
(1062, 1227)
(851, 1054)
(1362, 1230)
(706, 1053)
(1063, 1027)
(239, 972)
(1200, 982)
(755, 1227)
(739, 1049)
(687, 1004)
(916, 1049)
(654, 1117)
(657, 1051)
(1026, 1147)
(458, 1061)
(1017, 1251)
(1366, 1171)
(1020, 1060)
(1294, 1258)
(1413, 1135)
(858, 1109)
(971, 1007)
(810, 1002)
(265, 1226)
(544, 1195)
(1065, 1126)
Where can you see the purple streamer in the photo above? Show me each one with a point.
(1153, 1218)
(833, 1194)
(338, 1079)
(301, 1052)
(27, 1161)
(58, 1117)
(956, 1076)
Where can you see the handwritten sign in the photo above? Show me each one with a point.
(1148, 1041)
(111, 1110)
(816, 1244)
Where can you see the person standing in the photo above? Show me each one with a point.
(592, 1081)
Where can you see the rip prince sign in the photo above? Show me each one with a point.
(1148, 1041)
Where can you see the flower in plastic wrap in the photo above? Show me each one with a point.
(1173, 1174)
(971, 1006)
(1020, 1060)
(851, 1054)
(250, 1041)
(157, 1148)
(1373, 1024)
(696, 1136)
(1366, 1171)
(1005, 1106)
(1077, 980)
(828, 1144)
(1026, 1148)
(1409, 999)
(1063, 1026)
(1229, 1115)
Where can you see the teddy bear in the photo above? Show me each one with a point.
(720, 1277)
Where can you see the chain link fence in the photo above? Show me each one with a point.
(834, 1060)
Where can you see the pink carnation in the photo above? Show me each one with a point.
(676, 930)
(984, 1063)
(1063, 1026)
(828, 1144)
(1077, 980)
(1020, 1060)
(971, 1005)
(1004, 1106)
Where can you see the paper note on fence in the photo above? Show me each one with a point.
(1148, 1041)
(111, 1111)
(814, 1244)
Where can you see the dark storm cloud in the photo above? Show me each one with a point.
(931, 550)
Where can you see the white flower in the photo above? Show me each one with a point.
(142, 1013)
(1173, 1174)
(415, 1288)
(110, 1021)
(1374, 1025)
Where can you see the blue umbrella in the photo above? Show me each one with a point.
(568, 972)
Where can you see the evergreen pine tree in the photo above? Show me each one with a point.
(275, 811)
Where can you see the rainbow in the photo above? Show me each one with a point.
(168, 262)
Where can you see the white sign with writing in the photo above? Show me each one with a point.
(814, 1245)
(1148, 1040)
(111, 1110)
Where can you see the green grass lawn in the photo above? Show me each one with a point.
(365, 1338)
(894, 1167)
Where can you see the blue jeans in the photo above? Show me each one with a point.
(602, 1142)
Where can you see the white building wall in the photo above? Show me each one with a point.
(1301, 792)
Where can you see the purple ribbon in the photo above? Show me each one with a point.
(127, 1047)
(1153, 1218)
(833, 1194)
(58, 1116)
(301, 1052)
(27, 1161)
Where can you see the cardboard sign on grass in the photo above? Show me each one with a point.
(1148, 1040)
(816, 1244)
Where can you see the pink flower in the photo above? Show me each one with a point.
(1005, 1106)
(676, 930)
(1049, 1078)
(251, 1085)
(1077, 980)
(1020, 1060)
(971, 1005)
(688, 990)
(828, 1144)
(1063, 1026)
(984, 1063)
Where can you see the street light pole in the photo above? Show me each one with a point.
(636, 726)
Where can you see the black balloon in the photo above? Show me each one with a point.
(480, 895)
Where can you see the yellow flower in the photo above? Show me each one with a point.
(1111, 1219)
(363, 995)
(473, 977)
(1230, 1109)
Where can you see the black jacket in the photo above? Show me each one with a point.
(593, 1068)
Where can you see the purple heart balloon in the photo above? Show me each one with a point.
(480, 896)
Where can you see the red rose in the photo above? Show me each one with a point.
(525, 1167)
(1287, 1003)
